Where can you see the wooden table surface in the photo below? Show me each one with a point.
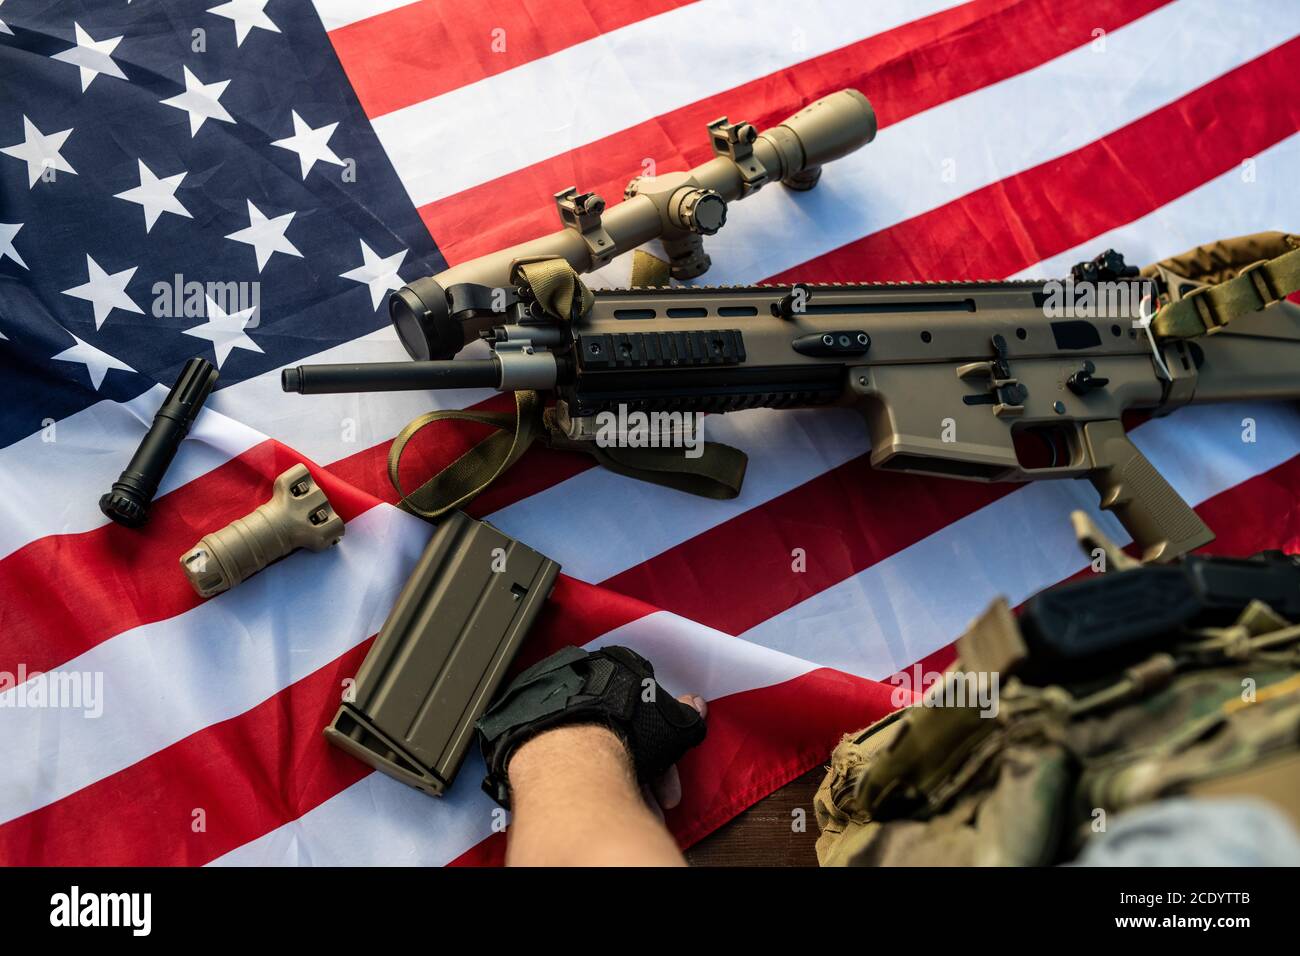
(767, 834)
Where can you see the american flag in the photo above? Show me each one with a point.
(307, 157)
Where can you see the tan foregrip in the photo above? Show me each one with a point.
(297, 516)
(1162, 524)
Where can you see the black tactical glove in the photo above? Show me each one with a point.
(609, 687)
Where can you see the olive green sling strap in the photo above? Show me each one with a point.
(466, 477)
(1270, 272)
(718, 472)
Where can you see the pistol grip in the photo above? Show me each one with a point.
(1162, 524)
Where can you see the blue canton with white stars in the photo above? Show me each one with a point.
(183, 178)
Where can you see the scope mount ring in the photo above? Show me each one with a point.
(735, 141)
(582, 213)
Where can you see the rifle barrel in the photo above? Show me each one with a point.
(391, 376)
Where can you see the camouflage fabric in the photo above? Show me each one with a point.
(940, 785)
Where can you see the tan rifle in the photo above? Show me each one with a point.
(986, 381)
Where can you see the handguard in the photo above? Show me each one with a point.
(613, 686)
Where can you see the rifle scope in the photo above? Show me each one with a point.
(680, 208)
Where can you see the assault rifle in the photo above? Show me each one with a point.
(958, 379)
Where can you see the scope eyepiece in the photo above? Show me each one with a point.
(423, 321)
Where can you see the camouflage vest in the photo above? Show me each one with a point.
(943, 785)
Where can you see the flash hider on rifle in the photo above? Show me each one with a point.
(679, 208)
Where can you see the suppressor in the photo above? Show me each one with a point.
(442, 653)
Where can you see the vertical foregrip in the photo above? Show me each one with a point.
(1163, 525)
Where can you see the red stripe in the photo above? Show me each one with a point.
(904, 71)
(249, 774)
(843, 521)
(1052, 207)
(63, 594)
(246, 775)
(422, 50)
(127, 578)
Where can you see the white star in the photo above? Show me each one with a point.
(91, 56)
(97, 363)
(311, 145)
(7, 232)
(106, 292)
(225, 332)
(3, 28)
(246, 14)
(156, 196)
(266, 236)
(39, 152)
(380, 274)
(200, 100)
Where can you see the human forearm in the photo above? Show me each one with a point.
(577, 802)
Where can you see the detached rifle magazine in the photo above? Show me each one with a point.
(443, 653)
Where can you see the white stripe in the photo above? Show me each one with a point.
(1258, 195)
(1034, 116)
(166, 680)
(339, 13)
(577, 95)
(378, 821)
(995, 132)
(919, 599)
(625, 522)
(329, 428)
(51, 481)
